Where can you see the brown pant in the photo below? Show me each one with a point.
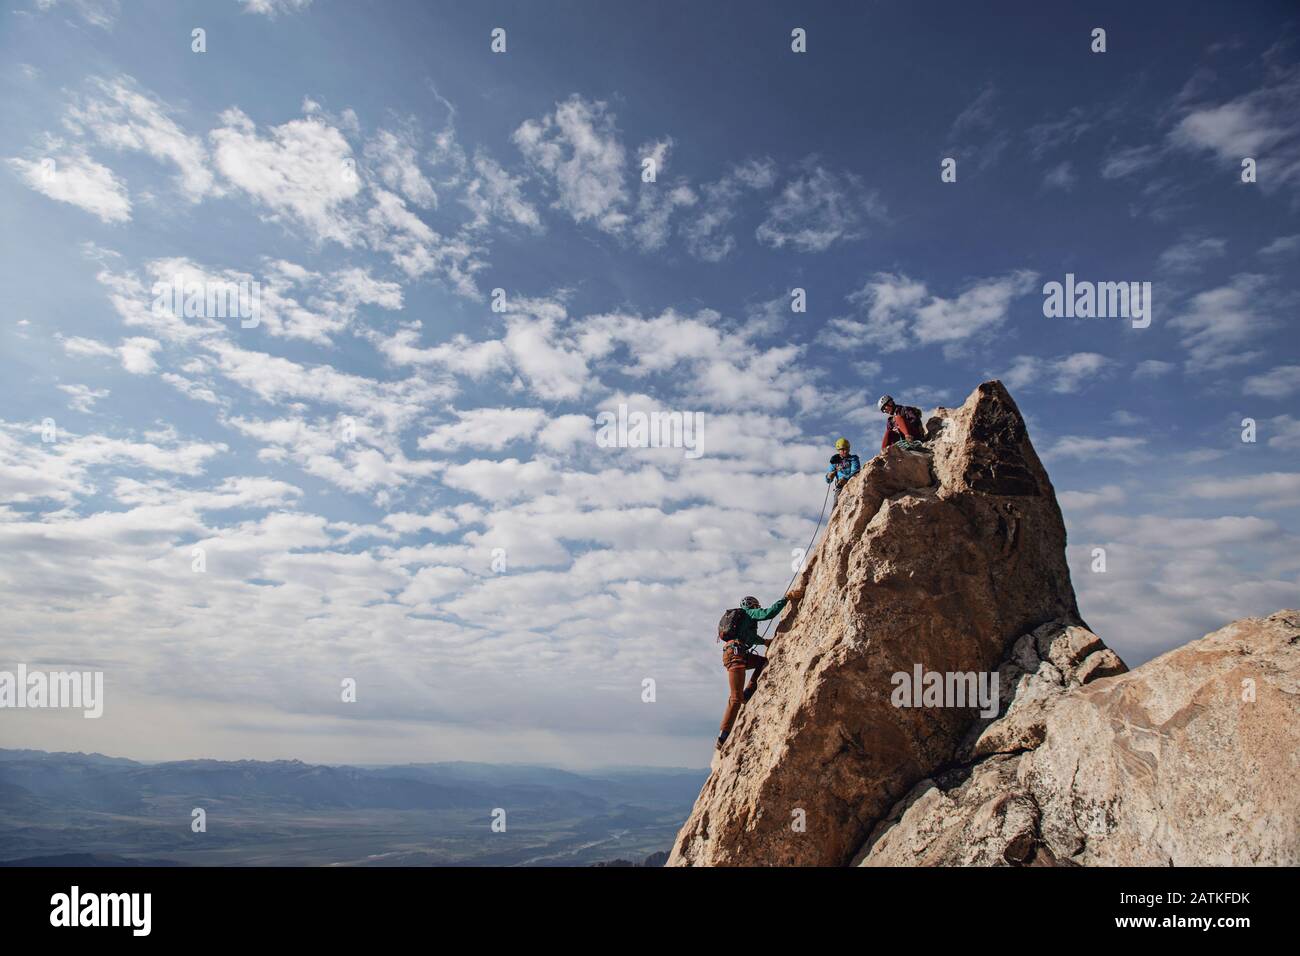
(737, 662)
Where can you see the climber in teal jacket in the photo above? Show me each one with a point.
(844, 465)
(738, 630)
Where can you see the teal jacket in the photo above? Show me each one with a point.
(766, 613)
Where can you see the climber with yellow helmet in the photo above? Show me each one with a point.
(844, 465)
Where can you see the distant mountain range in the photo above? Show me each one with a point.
(112, 811)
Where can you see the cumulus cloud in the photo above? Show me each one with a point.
(458, 354)
(135, 353)
(121, 116)
(491, 428)
(32, 470)
(303, 171)
(577, 150)
(553, 368)
(896, 312)
(71, 176)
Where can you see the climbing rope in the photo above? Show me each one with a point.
(807, 550)
(905, 444)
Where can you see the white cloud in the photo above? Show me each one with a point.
(1261, 124)
(1280, 382)
(1158, 531)
(818, 209)
(98, 13)
(1108, 496)
(367, 461)
(1065, 374)
(1284, 432)
(135, 353)
(73, 177)
(977, 138)
(121, 116)
(393, 156)
(578, 150)
(408, 523)
(491, 428)
(1191, 254)
(273, 8)
(459, 354)
(83, 397)
(1061, 176)
(899, 312)
(707, 233)
(658, 201)
(32, 470)
(1276, 489)
(1218, 321)
(566, 432)
(417, 249)
(553, 368)
(192, 389)
(1281, 246)
(1126, 162)
(1152, 368)
(303, 171)
(432, 583)
(1123, 448)
(493, 194)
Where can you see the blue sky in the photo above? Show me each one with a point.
(351, 465)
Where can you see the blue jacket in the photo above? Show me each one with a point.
(847, 467)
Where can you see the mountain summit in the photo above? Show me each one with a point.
(945, 569)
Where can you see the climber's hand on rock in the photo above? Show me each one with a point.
(794, 594)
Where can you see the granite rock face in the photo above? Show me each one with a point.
(951, 561)
(941, 559)
(1191, 759)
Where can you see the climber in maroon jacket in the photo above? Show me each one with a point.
(903, 423)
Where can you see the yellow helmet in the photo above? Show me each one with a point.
(842, 443)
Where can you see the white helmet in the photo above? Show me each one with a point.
(884, 400)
